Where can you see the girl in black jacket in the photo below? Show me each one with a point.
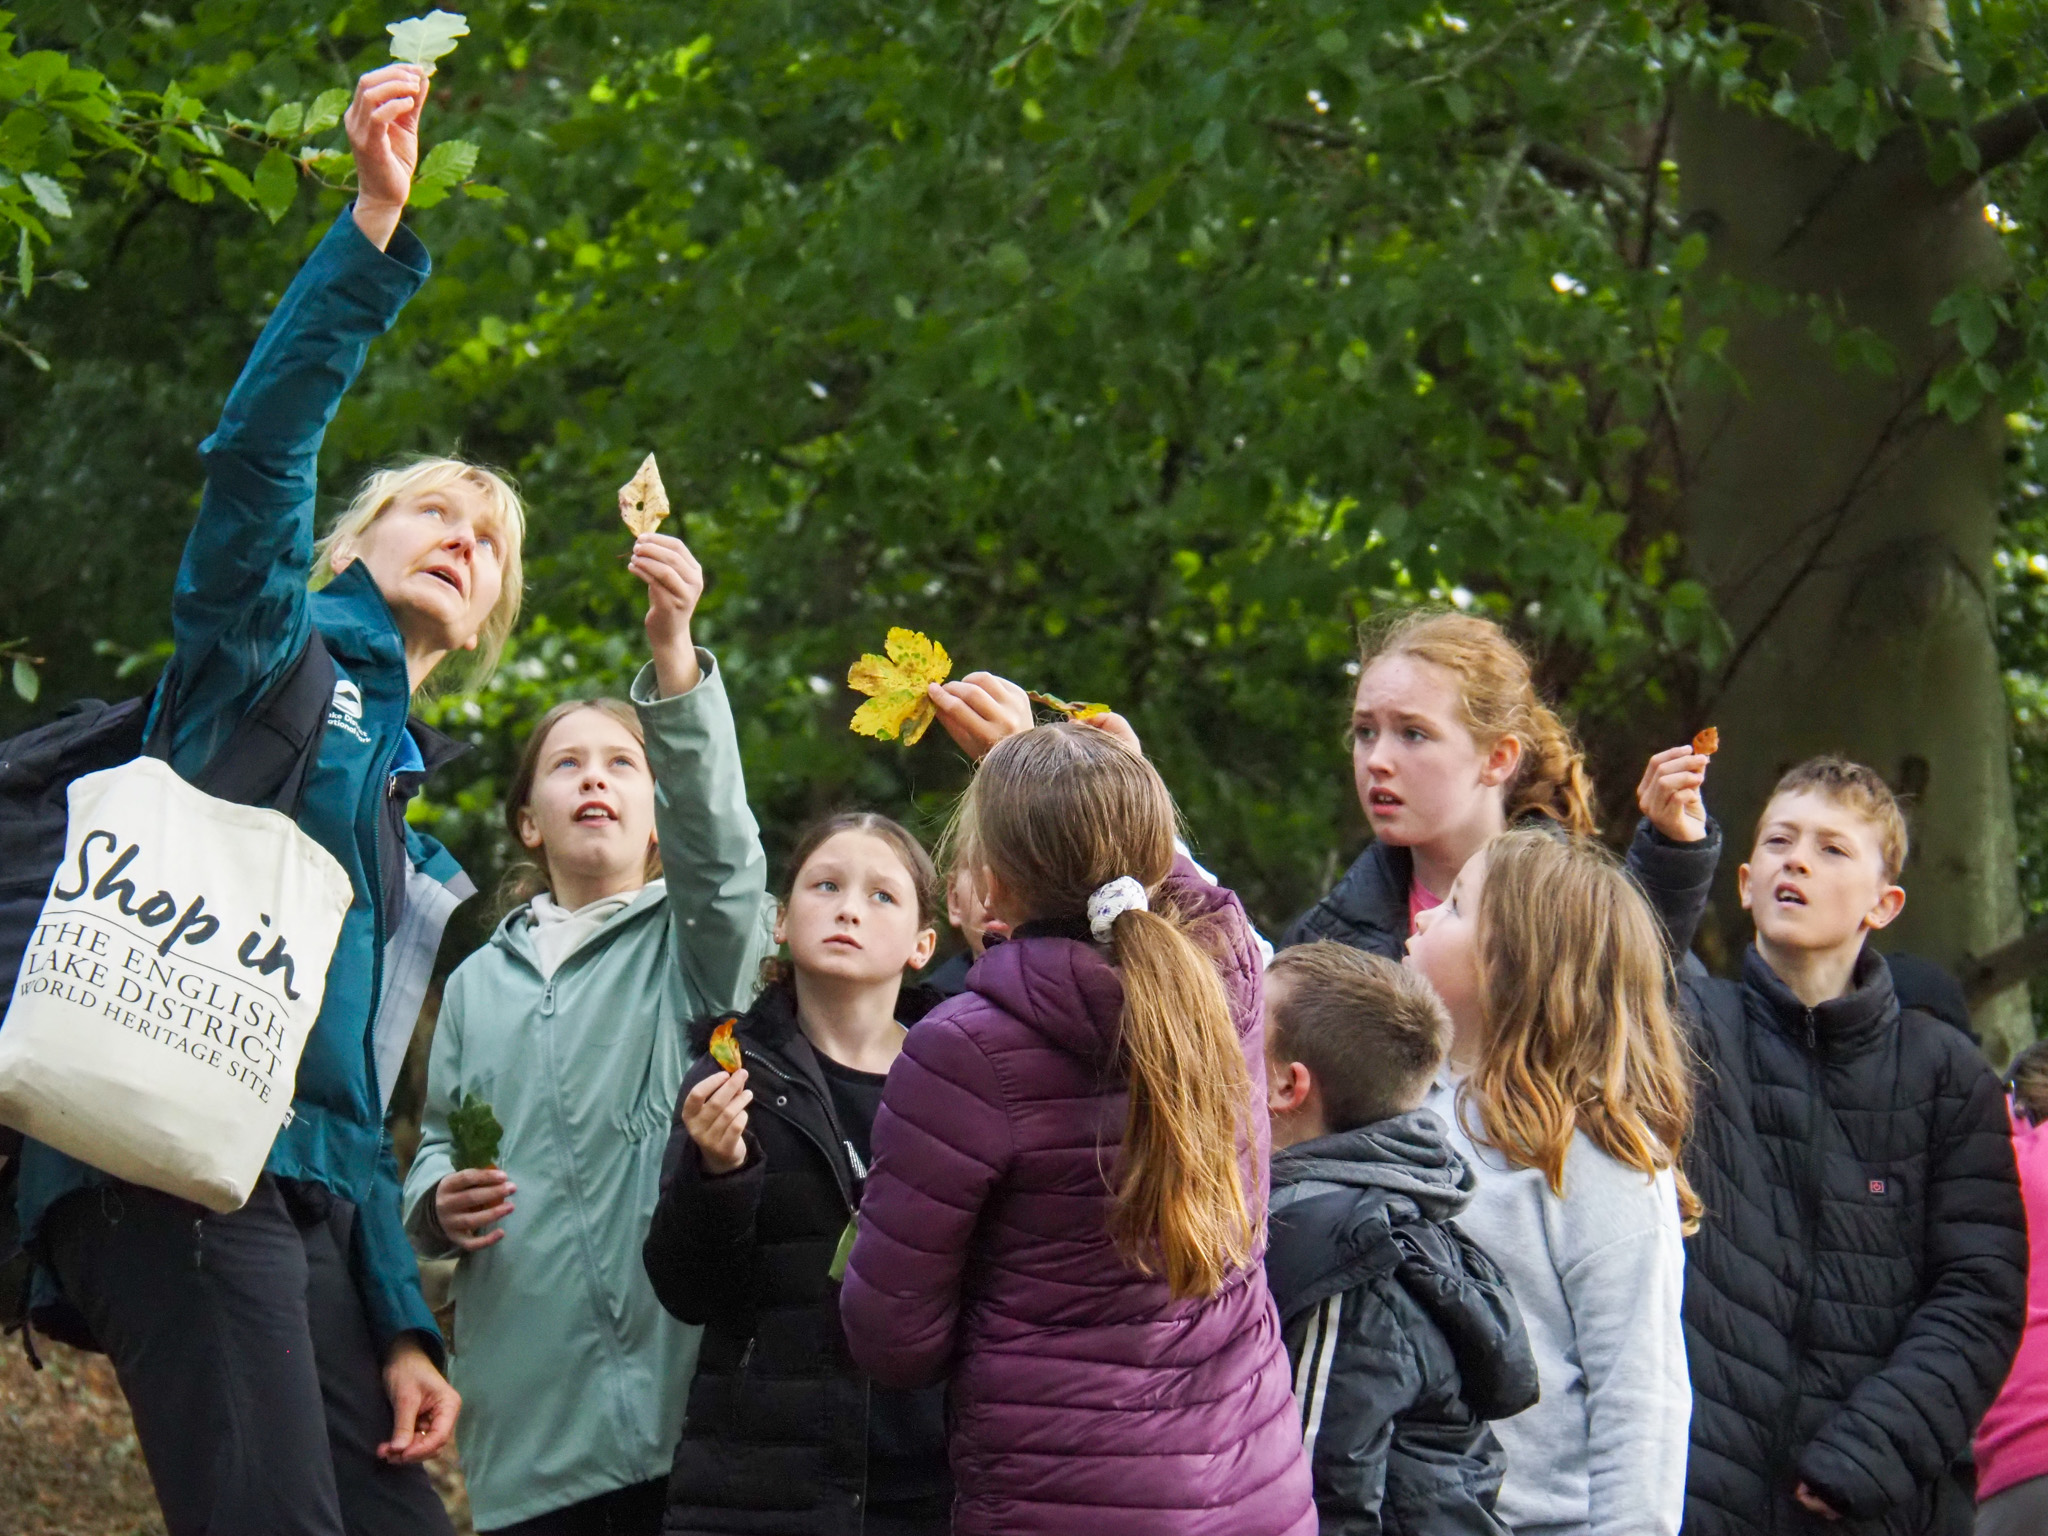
(763, 1172)
(1450, 746)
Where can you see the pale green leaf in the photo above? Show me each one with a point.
(48, 195)
(423, 39)
(26, 683)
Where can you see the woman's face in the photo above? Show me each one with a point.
(1445, 949)
(1421, 777)
(852, 913)
(591, 807)
(438, 558)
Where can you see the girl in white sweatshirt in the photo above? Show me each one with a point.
(1567, 1094)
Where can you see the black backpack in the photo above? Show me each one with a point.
(265, 762)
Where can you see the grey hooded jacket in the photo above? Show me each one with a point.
(1402, 1333)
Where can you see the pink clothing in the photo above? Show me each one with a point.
(1419, 902)
(2012, 1442)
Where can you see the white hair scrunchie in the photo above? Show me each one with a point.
(1112, 901)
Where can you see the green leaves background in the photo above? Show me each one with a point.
(1139, 351)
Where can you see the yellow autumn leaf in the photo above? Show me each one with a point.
(1073, 711)
(898, 706)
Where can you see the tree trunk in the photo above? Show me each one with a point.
(1847, 535)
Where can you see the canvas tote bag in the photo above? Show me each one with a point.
(168, 987)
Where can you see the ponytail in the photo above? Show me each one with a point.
(1552, 781)
(1181, 1200)
(1497, 697)
(1057, 813)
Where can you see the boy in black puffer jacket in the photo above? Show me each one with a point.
(1857, 1286)
(1402, 1333)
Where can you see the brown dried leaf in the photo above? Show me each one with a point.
(643, 501)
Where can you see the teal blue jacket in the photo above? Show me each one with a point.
(240, 614)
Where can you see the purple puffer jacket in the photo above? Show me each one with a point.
(1084, 1397)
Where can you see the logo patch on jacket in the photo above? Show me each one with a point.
(1877, 1186)
(346, 712)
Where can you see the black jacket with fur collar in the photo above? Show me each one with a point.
(784, 1433)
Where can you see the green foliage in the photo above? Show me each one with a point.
(473, 1128)
(1139, 351)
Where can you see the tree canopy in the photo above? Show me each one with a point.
(1136, 351)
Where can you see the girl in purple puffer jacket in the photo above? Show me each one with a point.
(1065, 1214)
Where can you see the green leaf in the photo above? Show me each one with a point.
(423, 39)
(483, 192)
(48, 195)
(25, 266)
(474, 1128)
(1977, 329)
(277, 183)
(326, 111)
(286, 120)
(231, 178)
(26, 683)
(1008, 260)
(447, 164)
(1086, 29)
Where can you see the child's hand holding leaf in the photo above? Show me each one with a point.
(1669, 794)
(980, 710)
(675, 582)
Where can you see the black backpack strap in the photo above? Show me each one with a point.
(272, 751)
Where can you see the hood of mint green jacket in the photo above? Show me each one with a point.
(240, 615)
(573, 1378)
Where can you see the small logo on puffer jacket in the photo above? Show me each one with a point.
(1877, 1186)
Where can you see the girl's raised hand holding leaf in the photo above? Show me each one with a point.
(643, 500)
(981, 709)
(422, 39)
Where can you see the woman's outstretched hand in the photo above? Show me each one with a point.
(675, 581)
(1670, 794)
(383, 124)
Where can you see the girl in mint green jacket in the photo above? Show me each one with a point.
(571, 1024)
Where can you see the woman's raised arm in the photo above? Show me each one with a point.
(238, 613)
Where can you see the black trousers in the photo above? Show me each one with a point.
(241, 1344)
(634, 1510)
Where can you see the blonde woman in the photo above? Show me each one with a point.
(284, 1372)
(1569, 1098)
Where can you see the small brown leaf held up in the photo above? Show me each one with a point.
(643, 502)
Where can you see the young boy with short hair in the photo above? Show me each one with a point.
(1402, 1333)
(1855, 1293)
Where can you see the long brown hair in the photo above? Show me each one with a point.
(776, 971)
(1574, 980)
(1055, 813)
(1497, 698)
(529, 877)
